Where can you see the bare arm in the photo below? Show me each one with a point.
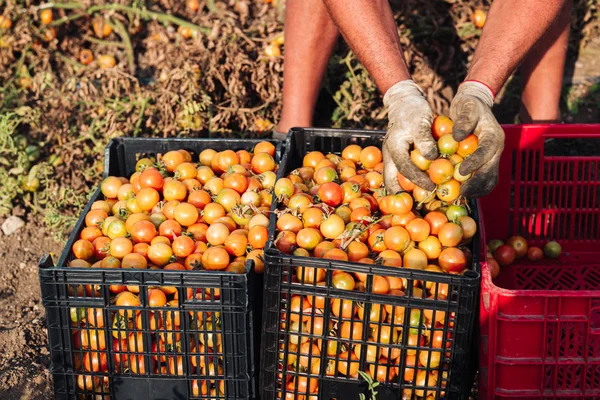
(369, 28)
(511, 30)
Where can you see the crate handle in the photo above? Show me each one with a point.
(595, 321)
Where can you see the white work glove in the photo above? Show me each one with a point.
(471, 111)
(409, 122)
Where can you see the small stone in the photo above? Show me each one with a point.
(578, 64)
(22, 265)
(11, 225)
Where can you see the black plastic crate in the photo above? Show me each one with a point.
(72, 296)
(292, 326)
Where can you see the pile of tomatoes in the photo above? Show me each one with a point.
(335, 207)
(502, 254)
(171, 214)
(444, 171)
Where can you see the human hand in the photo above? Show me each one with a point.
(409, 122)
(471, 111)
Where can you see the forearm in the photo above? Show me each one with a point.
(511, 30)
(369, 28)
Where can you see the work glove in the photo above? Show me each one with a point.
(471, 111)
(409, 122)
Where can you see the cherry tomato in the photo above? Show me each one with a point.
(440, 171)
(186, 214)
(134, 260)
(370, 156)
(431, 246)
(495, 267)
(332, 227)
(147, 198)
(415, 259)
(441, 126)
(331, 194)
(110, 187)
(421, 162)
(83, 249)
(120, 247)
(183, 246)
(143, 232)
(308, 238)
(552, 249)
(160, 254)
(452, 259)
(418, 229)
(289, 222)
(396, 238)
(262, 162)
(467, 146)
(215, 258)
(343, 281)
(535, 254)
(505, 255)
(519, 244)
(151, 178)
(448, 191)
(450, 234)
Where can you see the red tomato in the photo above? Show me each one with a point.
(505, 255)
(535, 254)
(452, 260)
(331, 194)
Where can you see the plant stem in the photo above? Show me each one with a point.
(149, 15)
(68, 6)
(18, 66)
(120, 29)
(67, 19)
(140, 117)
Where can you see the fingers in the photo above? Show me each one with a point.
(484, 180)
(424, 141)
(465, 114)
(398, 152)
(390, 173)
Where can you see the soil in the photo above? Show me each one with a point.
(24, 358)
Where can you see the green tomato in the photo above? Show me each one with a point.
(116, 229)
(33, 152)
(55, 160)
(447, 145)
(453, 213)
(77, 314)
(552, 249)
(494, 244)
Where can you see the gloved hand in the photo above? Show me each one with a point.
(409, 122)
(471, 111)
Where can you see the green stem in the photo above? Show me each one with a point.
(149, 15)
(121, 31)
(140, 116)
(427, 199)
(66, 19)
(67, 6)
(18, 66)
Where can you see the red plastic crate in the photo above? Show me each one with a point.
(540, 323)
